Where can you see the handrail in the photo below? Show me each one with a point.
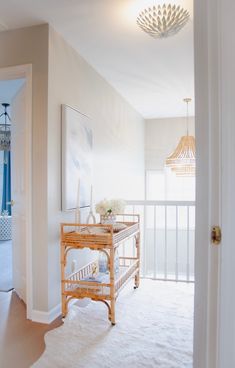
(159, 203)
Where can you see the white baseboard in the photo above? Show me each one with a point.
(46, 317)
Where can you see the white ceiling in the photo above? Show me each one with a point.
(153, 75)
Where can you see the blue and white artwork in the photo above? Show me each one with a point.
(77, 142)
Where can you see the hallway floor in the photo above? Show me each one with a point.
(21, 341)
(6, 283)
(161, 335)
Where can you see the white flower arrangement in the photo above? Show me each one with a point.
(110, 207)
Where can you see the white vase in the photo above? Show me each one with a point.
(108, 219)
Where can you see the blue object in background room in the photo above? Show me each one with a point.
(5, 145)
(6, 192)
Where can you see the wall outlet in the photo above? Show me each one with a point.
(73, 265)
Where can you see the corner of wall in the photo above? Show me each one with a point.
(46, 317)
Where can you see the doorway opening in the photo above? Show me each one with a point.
(8, 90)
(15, 183)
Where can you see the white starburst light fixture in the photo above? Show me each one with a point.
(161, 21)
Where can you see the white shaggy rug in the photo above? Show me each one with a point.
(154, 330)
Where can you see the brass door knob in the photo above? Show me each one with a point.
(216, 235)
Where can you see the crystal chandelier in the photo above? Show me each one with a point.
(5, 130)
(161, 21)
(182, 161)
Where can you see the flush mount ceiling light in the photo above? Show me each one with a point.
(5, 130)
(182, 161)
(161, 21)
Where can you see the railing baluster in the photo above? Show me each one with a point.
(144, 242)
(188, 267)
(133, 240)
(155, 246)
(166, 255)
(176, 246)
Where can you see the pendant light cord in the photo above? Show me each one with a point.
(187, 117)
(187, 100)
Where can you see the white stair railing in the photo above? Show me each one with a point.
(167, 238)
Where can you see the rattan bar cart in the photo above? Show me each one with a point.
(101, 238)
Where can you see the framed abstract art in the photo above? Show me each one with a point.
(77, 143)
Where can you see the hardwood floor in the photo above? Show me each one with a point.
(21, 341)
(6, 282)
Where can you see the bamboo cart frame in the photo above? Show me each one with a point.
(101, 238)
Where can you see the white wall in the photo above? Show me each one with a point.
(118, 132)
(161, 138)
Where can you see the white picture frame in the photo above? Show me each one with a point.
(77, 144)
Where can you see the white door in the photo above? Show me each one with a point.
(226, 310)
(19, 182)
(214, 333)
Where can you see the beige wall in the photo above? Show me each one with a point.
(118, 142)
(118, 133)
(161, 138)
(30, 46)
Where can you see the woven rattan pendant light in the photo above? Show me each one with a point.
(182, 161)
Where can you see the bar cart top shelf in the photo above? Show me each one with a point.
(97, 236)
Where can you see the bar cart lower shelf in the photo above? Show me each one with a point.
(105, 287)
